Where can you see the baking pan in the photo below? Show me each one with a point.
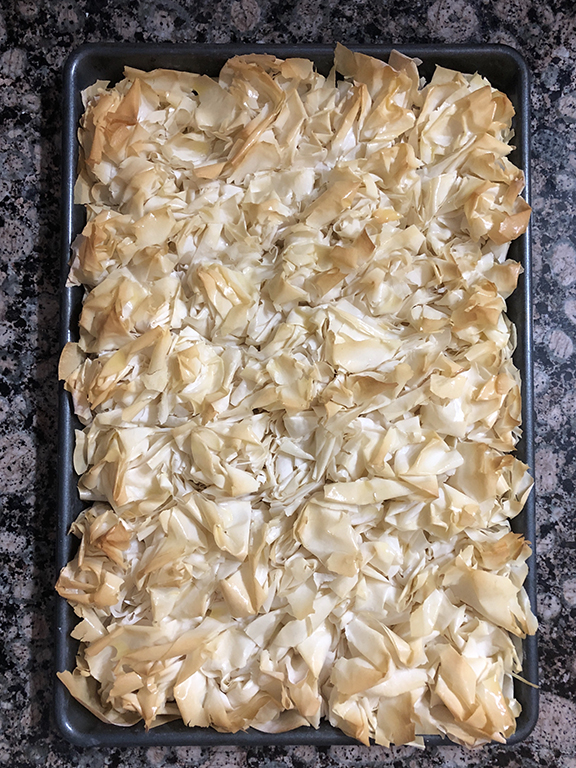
(507, 71)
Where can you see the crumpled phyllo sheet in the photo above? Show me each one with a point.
(294, 371)
(111, 240)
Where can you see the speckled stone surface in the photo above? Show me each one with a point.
(35, 38)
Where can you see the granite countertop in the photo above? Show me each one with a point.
(35, 38)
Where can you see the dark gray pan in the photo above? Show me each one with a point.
(507, 71)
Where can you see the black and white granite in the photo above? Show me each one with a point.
(35, 39)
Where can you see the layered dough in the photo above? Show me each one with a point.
(295, 373)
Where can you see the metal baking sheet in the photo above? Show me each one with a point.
(508, 72)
